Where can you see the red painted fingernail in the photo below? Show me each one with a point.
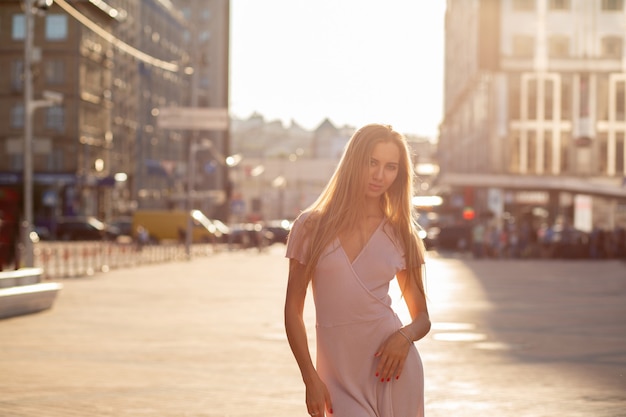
(382, 379)
(331, 411)
(376, 373)
(388, 379)
(398, 377)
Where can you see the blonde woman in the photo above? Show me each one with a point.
(349, 244)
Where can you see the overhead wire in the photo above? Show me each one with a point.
(118, 43)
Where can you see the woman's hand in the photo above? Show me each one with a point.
(392, 355)
(318, 398)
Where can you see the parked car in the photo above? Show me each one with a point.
(279, 230)
(427, 238)
(124, 225)
(452, 237)
(171, 225)
(249, 235)
(124, 228)
(221, 230)
(84, 228)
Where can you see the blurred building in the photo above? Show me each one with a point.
(71, 141)
(149, 162)
(534, 120)
(278, 174)
(209, 56)
(116, 63)
(281, 169)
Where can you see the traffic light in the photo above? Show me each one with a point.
(469, 213)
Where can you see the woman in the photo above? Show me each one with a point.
(350, 244)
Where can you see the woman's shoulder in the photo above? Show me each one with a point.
(307, 220)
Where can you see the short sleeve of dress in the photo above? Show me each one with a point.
(297, 243)
(393, 236)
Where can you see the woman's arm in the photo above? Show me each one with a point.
(317, 396)
(416, 303)
(394, 350)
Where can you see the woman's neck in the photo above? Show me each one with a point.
(372, 209)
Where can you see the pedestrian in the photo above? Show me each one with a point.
(143, 237)
(478, 239)
(349, 244)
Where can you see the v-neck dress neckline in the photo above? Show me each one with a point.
(365, 246)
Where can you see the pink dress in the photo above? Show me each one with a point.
(353, 318)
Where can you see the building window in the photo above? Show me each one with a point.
(204, 36)
(612, 5)
(514, 96)
(559, 5)
(531, 163)
(16, 162)
(523, 5)
(531, 109)
(620, 168)
(603, 152)
(55, 71)
(514, 162)
(17, 116)
(523, 46)
(17, 75)
(565, 148)
(56, 27)
(566, 97)
(55, 118)
(547, 151)
(558, 46)
(583, 110)
(612, 47)
(548, 100)
(55, 160)
(18, 29)
(620, 101)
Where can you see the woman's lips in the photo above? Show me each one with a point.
(375, 187)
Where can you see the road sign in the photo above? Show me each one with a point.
(193, 118)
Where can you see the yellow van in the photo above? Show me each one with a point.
(171, 225)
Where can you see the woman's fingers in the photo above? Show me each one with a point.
(392, 356)
(318, 399)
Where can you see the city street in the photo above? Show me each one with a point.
(510, 338)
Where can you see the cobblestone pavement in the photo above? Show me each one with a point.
(205, 339)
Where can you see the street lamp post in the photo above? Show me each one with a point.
(30, 105)
(27, 223)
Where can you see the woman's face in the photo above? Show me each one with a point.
(383, 168)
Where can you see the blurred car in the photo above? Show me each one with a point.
(451, 237)
(84, 228)
(221, 230)
(279, 230)
(426, 237)
(249, 235)
(42, 232)
(123, 225)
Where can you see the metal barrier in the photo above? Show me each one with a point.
(79, 259)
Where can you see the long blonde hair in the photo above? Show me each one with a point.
(340, 205)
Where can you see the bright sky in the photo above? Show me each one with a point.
(351, 61)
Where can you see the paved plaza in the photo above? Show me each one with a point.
(204, 338)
